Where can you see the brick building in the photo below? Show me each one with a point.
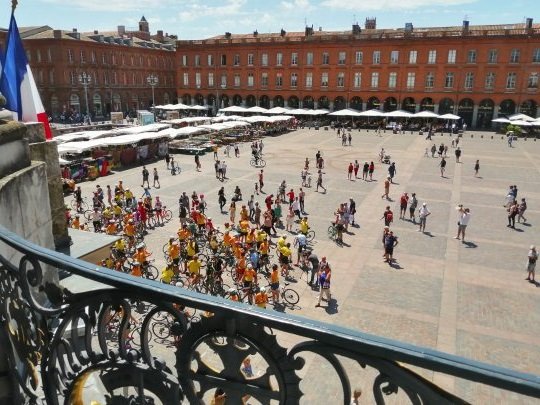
(479, 72)
(118, 64)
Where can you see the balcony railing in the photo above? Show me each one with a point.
(132, 340)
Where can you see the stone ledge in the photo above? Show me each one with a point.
(14, 151)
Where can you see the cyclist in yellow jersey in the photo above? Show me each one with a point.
(107, 213)
(120, 247)
(250, 279)
(244, 229)
(228, 239)
(194, 268)
(173, 251)
(282, 241)
(304, 226)
(214, 244)
(117, 210)
(167, 274)
(274, 283)
(191, 249)
(250, 238)
(285, 259)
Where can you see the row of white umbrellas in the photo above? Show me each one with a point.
(349, 112)
(521, 120)
(181, 106)
(395, 114)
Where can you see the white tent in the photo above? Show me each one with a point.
(426, 114)
(198, 107)
(449, 117)
(233, 108)
(300, 111)
(371, 113)
(521, 123)
(256, 109)
(320, 111)
(348, 112)
(501, 120)
(398, 114)
(277, 110)
(277, 118)
(521, 117)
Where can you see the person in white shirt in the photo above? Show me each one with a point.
(423, 213)
(464, 216)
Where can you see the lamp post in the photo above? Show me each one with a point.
(153, 81)
(85, 79)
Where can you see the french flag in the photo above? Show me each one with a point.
(17, 83)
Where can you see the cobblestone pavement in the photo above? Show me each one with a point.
(464, 298)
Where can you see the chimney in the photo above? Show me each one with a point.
(309, 31)
(255, 33)
(96, 32)
(465, 28)
(408, 28)
(228, 35)
(159, 36)
(371, 23)
(57, 34)
(121, 30)
(75, 30)
(320, 29)
(283, 32)
(356, 30)
(529, 23)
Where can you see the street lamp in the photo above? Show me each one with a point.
(153, 81)
(85, 79)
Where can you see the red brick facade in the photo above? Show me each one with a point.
(478, 72)
(117, 62)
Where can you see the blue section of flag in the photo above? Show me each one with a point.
(14, 69)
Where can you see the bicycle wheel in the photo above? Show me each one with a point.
(290, 296)
(332, 232)
(152, 221)
(161, 330)
(262, 163)
(253, 163)
(310, 235)
(167, 215)
(73, 204)
(178, 170)
(151, 272)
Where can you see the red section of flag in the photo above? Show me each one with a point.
(42, 117)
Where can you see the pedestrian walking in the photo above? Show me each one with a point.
(371, 170)
(156, 178)
(521, 210)
(458, 154)
(532, 257)
(356, 168)
(197, 163)
(392, 171)
(232, 212)
(221, 199)
(320, 181)
(167, 159)
(390, 242)
(325, 276)
(442, 165)
(352, 210)
(464, 216)
(261, 181)
(412, 208)
(301, 200)
(476, 168)
(386, 188)
(350, 170)
(403, 201)
(433, 150)
(349, 138)
(388, 216)
(423, 213)
(145, 177)
(365, 170)
(512, 213)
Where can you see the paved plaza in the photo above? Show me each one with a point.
(468, 299)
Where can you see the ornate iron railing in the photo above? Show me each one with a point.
(140, 342)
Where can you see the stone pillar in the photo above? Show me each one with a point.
(436, 108)
(24, 204)
(47, 152)
(364, 106)
(474, 116)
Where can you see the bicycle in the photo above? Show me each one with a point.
(332, 231)
(257, 162)
(288, 295)
(175, 169)
(83, 205)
